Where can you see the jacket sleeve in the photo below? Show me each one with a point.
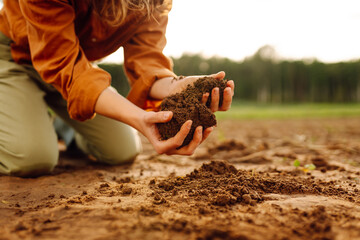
(144, 61)
(57, 56)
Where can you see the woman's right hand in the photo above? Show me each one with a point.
(113, 105)
(149, 130)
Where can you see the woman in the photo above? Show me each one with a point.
(46, 50)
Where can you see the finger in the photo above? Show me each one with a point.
(206, 133)
(205, 98)
(227, 99)
(190, 148)
(219, 75)
(195, 142)
(182, 134)
(176, 141)
(158, 117)
(231, 84)
(215, 96)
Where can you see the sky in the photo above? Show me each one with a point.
(328, 30)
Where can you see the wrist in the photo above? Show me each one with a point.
(162, 87)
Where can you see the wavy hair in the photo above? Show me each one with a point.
(114, 12)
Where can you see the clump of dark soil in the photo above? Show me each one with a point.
(206, 84)
(187, 105)
(220, 183)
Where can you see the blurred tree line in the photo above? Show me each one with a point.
(264, 77)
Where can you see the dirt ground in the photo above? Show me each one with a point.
(240, 184)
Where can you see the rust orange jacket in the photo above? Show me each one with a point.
(60, 38)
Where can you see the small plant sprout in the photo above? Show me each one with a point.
(306, 168)
(310, 166)
(296, 163)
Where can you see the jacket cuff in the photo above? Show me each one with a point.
(139, 92)
(85, 93)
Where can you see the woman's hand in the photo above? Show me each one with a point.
(113, 105)
(168, 86)
(149, 130)
(215, 95)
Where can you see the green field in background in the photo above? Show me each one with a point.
(241, 110)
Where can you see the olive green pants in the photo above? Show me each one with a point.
(28, 142)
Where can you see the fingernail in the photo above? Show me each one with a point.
(189, 124)
(200, 130)
(166, 115)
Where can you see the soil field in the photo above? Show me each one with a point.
(252, 179)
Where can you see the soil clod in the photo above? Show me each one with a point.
(187, 105)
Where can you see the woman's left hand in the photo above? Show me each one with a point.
(182, 83)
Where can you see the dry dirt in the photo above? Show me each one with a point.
(240, 184)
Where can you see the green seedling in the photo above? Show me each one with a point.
(310, 167)
(296, 163)
(306, 168)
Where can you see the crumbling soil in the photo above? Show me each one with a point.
(240, 184)
(220, 183)
(187, 105)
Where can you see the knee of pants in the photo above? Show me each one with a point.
(116, 152)
(122, 153)
(29, 159)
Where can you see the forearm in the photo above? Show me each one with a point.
(113, 105)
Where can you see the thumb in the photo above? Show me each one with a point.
(219, 75)
(159, 117)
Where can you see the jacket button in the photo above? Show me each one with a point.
(93, 39)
